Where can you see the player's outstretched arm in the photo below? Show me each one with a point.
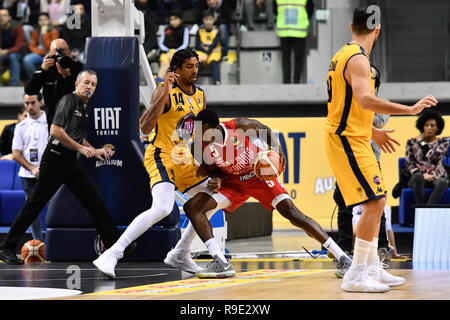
(263, 132)
(357, 75)
(160, 100)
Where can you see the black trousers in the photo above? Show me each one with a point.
(59, 166)
(297, 46)
(345, 226)
(418, 184)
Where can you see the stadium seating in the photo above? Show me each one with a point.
(405, 212)
(12, 196)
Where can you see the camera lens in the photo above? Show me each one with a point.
(64, 61)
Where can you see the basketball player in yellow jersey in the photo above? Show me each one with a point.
(351, 106)
(168, 161)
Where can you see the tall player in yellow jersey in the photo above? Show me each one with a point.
(168, 160)
(351, 107)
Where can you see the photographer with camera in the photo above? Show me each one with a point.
(56, 76)
(59, 166)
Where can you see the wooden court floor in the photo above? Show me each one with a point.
(314, 281)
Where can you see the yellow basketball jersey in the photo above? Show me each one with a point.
(346, 117)
(207, 37)
(181, 105)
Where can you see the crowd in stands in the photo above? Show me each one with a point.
(27, 27)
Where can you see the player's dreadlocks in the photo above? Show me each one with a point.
(180, 56)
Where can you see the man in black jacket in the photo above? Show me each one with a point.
(59, 166)
(54, 81)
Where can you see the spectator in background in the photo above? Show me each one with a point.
(424, 158)
(292, 28)
(174, 38)
(86, 4)
(249, 6)
(222, 10)
(29, 143)
(12, 44)
(207, 44)
(54, 81)
(150, 42)
(39, 46)
(164, 6)
(8, 134)
(26, 12)
(76, 37)
(57, 10)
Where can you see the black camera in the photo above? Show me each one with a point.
(63, 60)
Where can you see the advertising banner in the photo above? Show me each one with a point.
(308, 177)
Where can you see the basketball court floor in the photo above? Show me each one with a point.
(276, 267)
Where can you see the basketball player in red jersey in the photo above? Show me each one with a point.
(228, 155)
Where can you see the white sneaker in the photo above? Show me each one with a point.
(357, 279)
(181, 259)
(106, 263)
(377, 272)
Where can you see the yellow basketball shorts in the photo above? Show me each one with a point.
(214, 56)
(355, 168)
(164, 57)
(161, 168)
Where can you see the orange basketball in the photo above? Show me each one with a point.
(269, 165)
(33, 251)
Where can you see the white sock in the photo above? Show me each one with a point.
(186, 239)
(373, 254)
(332, 246)
(189, 234)
(214, 249)
(361, 252)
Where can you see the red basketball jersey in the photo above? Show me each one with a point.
(236, 155)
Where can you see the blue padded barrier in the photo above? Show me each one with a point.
(114, 112)
(7, 169)
(78, 244)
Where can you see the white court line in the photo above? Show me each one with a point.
(82, 279)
